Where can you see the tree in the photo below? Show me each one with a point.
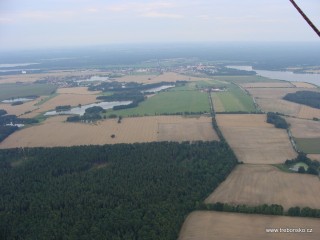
(301, 169)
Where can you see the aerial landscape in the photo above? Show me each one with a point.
(135, 136)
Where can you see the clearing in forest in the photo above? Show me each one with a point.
(254, 140)
(55, 132)
(255, 185)
(209, 225)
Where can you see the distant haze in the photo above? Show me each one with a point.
(57, 23)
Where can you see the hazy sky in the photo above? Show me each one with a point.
(55, 23)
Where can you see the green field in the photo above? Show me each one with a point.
(308, 145)
(169, 102)
(8, 91)
(233, 100)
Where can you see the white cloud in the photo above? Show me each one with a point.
(153, 14)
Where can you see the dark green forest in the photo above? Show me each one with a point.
(124, 191)
(311, 99)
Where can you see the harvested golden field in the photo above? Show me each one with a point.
(279, 105)
(55, 132)
(77, 90)
(255, 141)
(283, 84)
(302, 128)
(209, 225)
(20, 109)
(272, 93)
(262, 184)
(314, 156)
(303, 85)
(63, 99)
(29, 78)
(308, 112)
(165, 77)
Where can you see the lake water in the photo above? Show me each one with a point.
(81, 110)
(158, 89)
(284, 75)
(17, 100)
(9, 65)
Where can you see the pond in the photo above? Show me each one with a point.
(158, 89)
(13, 100)
(81, 110)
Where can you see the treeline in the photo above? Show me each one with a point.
(313, 165)
(7, 120)
(311, 99)
(91, 114)
(225, 71)
(135, 96)
(277, 121)
(63, 108)
(124, 191)
(273, 209)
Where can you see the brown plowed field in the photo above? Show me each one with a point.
(55, 132)
(206, 225)
(255, 141)
(262, 184)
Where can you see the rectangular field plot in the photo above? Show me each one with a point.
(255, 141)
(205, 225)
(170, 102)
(261, 184)
(268, 85)
(188, 131)
(308, 145)
(233, 100)
(303, 128)
(55, 132)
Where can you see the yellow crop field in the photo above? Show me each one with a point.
(255, 141)
(262, 184)
(55, 132)
(205, 225)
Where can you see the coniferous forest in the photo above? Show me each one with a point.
(124, 191)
